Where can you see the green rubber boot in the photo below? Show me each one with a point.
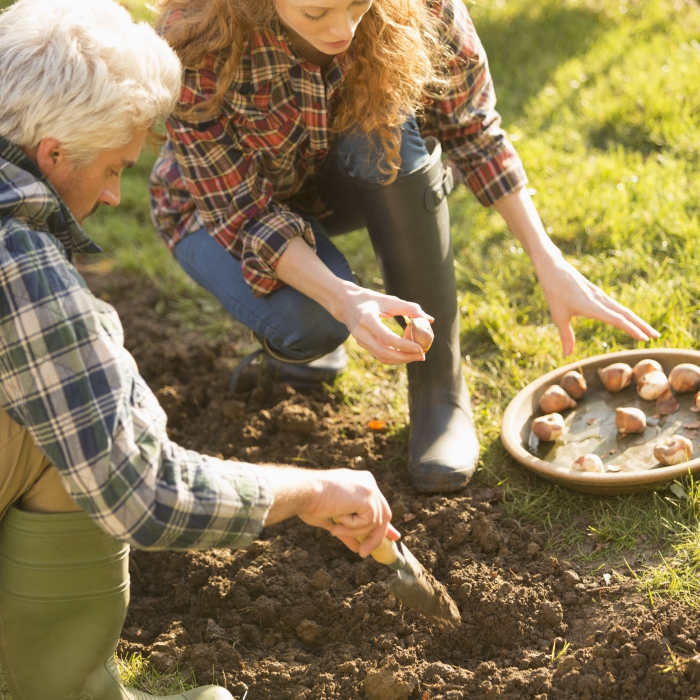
(64, 591)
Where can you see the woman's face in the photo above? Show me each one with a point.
(328, 25)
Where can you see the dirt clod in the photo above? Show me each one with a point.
(297, 419)
(310, 632)
(389, 683)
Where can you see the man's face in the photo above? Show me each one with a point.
(328, 25)
(84, 188)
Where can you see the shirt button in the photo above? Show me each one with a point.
(316, 105)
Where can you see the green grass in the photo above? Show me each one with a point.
(137, 673)
(602, 100)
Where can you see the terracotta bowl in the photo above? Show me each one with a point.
(591, 429)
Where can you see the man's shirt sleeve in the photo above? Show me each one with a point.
(66, 377)
(465, 119)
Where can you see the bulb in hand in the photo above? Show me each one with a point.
(419, 331)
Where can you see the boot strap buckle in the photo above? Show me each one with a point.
(438, 190)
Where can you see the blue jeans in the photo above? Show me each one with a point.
(292, 323)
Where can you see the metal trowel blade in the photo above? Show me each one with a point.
(418, 590)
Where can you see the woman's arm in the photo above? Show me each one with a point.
(361, 310)
(567, 291)
(468, 125)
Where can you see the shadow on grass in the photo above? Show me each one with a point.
(525, 50)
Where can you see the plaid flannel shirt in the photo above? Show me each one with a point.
(236, 173)
(66, 377)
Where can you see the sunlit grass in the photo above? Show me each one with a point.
(136, 672)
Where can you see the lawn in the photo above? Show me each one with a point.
(602, 100)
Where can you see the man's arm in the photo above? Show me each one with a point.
(66, 377)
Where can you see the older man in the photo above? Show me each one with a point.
(86, 467)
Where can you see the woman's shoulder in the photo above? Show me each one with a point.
(264, 58)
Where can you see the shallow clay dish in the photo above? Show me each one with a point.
(590, 428)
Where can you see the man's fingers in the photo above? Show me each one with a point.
(371, 543)
(392, 533)
(351, 543)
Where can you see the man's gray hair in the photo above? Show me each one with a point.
(82, 72)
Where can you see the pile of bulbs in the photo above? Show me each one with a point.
(652, 385)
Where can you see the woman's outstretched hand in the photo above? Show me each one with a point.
(362, 311)
(569, 293)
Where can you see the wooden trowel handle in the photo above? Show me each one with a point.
(387, 553)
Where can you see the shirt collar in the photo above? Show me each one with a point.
(49, 210)
(272, 53)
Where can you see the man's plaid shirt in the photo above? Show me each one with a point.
(66, 377)
(236, 174)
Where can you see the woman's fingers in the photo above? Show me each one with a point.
(393, 306)
(635, 320)
(603, 308)
(574, 295)
(384, 344)
(566, 334)
(386, 353)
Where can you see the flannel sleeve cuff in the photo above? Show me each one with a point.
(264, 244)
(256, 497)
(497, 177)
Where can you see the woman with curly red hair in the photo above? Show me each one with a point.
(302, 119)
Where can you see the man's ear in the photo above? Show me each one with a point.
(49, 155)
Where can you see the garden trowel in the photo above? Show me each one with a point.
(414, 586)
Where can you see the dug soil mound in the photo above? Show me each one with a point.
(297, 616)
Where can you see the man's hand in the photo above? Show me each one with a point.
(347, 503)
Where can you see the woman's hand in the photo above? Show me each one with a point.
(361, 310)
(569, 293)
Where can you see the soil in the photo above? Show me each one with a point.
(297, 616)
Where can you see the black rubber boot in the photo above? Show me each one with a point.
(409, 225)
(307, 373)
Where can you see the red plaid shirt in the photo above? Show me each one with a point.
(234, 173)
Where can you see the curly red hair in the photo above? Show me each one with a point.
(398, 60)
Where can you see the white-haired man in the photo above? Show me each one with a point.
(86, 467)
